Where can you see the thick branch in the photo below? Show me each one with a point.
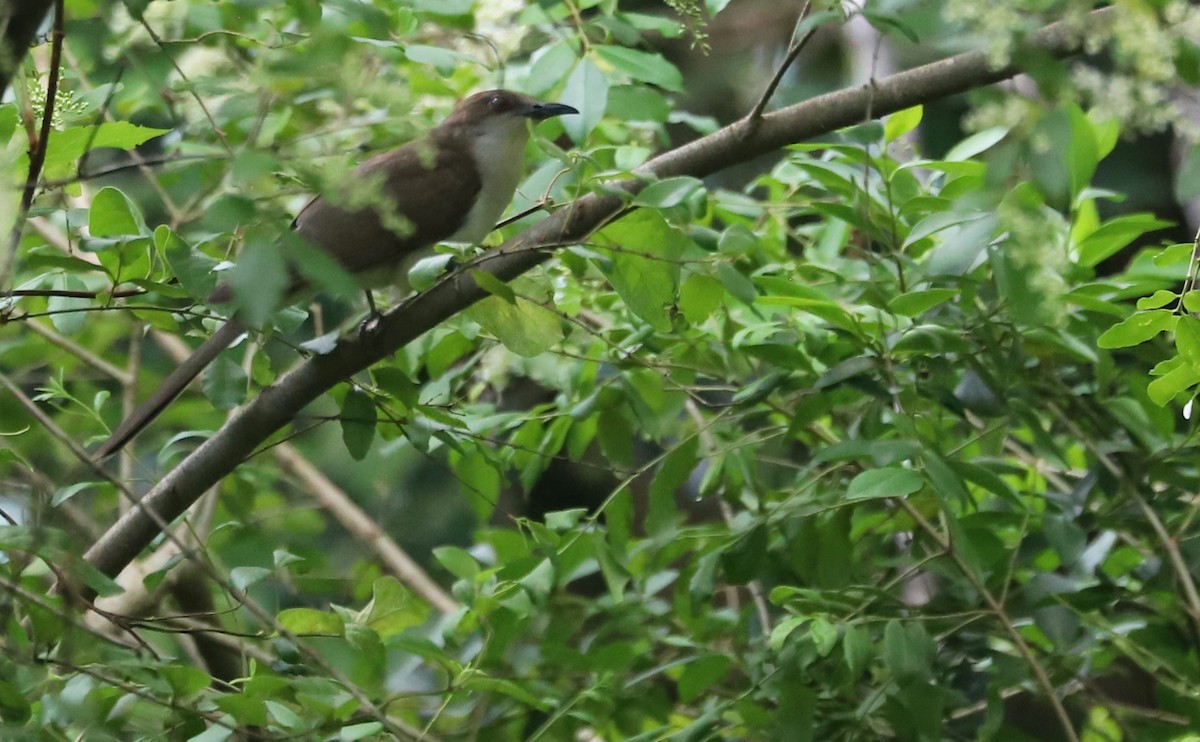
(277, 405)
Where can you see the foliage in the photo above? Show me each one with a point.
(879, 444)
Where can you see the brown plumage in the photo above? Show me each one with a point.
(453, 184)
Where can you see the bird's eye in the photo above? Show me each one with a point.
(498, 103)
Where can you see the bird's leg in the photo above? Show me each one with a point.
(371, 322)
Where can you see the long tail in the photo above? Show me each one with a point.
(171, 388)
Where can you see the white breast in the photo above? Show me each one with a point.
(499, 149)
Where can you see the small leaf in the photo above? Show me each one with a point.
(524, 327)
(699, 297)
(902, 122)
(891, 481)
(642, 66)
(355, 732)
(587, 91)
(112, 214)
(243, 577)
(540, 580)
(225, 383)
(67, 312)
(701, 673)
(1157, 300)
(643, 268)
(916, 303)
(1116, 234)
(66, 147)
(1137, 329)
(311, 622)
(1187, 340)
(457, 562)
(668, 192)
(1164, 388)
(259, 280)
(976, 144)
(425, 272)
(857, 649)
(359, 418)
(494, 286)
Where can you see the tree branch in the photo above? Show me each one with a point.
(277, 405)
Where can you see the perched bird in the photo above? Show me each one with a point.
(450, 185)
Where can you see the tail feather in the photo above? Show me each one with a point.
(172, 387)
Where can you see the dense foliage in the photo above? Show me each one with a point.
(887, 437)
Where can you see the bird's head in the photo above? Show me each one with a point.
(497, 110)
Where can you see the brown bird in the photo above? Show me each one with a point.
(450, 185)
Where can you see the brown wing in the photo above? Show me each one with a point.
(427, 191)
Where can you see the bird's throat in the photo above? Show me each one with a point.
(499, 153)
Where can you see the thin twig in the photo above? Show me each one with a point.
(1169, 543)
(37, 157)
(70, 294)
(1039, 672)
(792, 52)
(191, 89)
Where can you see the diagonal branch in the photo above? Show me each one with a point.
(277, 405)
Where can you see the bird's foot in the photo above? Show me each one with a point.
(370, 323)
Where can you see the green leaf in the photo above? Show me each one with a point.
(193, 268)
(426, 271)
(642, 66)
(444, 60)
(392, 608)
(890, 481)
(1157, 300)
(699, 674)
(902, 122)
(1115, 234)
(68, 313)
(524, 327)
(185, 680)
(857, 649)
(355, 732)
(1164, 388)
(668, 192)
(699, 297)
(494, 286)
(457, 562)
(587, 91)
(311, 622)
(908, 651)
(1084, 154)
(643, 270)
(66, 147)
(259, 281)
(976, 144)
(675, 471)
(1137, 329)
(1174, 254)
(359, 418)
(540, 580)
(112, 214)
(225, 383)
(1187, 176)
(243, 577)
(915, 303)
(545, 71)
(1187, 340)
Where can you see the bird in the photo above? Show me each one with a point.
(450, 185)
